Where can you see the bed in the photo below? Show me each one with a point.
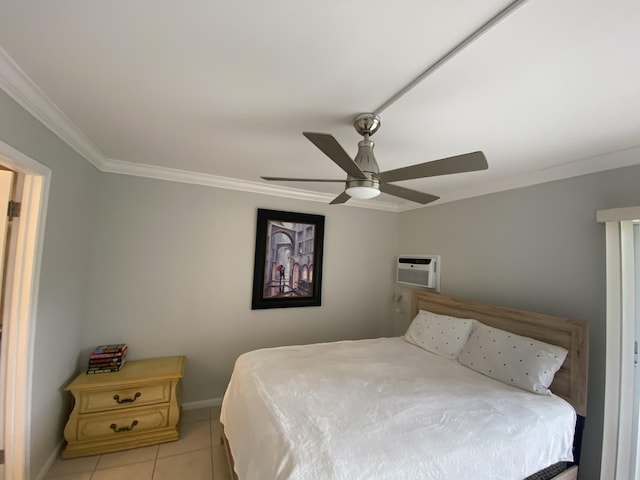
(386, 408)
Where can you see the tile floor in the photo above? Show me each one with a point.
(198, 455)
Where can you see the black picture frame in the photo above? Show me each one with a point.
(288, 260)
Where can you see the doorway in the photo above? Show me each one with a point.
(635, 415)
(621, 430)
(19, 311)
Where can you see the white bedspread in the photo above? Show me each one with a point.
(384, 409)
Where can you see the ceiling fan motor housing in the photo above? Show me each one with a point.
(366, 160)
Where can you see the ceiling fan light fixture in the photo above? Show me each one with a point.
(363, 188)
(362, 193)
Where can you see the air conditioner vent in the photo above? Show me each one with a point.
(419, 271)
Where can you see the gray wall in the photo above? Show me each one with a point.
(172, 271)
(63, 277)
(537, 248)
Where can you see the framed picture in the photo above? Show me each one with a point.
(288, 262)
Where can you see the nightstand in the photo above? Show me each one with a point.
(136, 406)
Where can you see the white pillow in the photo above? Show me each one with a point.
(439, 334)
(512, 359)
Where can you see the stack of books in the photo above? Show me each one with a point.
(107, 358)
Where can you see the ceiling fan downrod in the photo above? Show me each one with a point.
(501, 15)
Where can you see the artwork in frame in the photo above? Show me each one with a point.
(288, 260)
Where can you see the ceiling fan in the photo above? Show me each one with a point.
(364, 179)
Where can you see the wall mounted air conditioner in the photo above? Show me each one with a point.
(419, 271)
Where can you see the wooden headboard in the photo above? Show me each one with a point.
(570, 382)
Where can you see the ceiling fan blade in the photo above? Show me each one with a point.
(408, 194)
(287, 179)
(332, 149)
(343, 197)
(468, 162)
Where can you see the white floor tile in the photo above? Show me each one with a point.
(216, 433)
(137, 471)
(127, 457)
(194, 436)
(74, 465)
(71, 476)
(193, 466)
(220, 465)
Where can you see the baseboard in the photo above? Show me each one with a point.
(50, 461)
(211, 402)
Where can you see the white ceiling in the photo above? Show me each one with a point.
(221, 90)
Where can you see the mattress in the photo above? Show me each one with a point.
(385, 409)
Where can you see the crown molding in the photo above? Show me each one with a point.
(596, 164)
(599, 163)
(17, 84)
(194, 178)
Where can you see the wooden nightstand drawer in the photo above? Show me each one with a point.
(113, 399)
(121, 424)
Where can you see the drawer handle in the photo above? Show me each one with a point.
(126, 400)
(115, 428)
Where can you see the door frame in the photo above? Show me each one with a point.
(620, 336)
(23, 279)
